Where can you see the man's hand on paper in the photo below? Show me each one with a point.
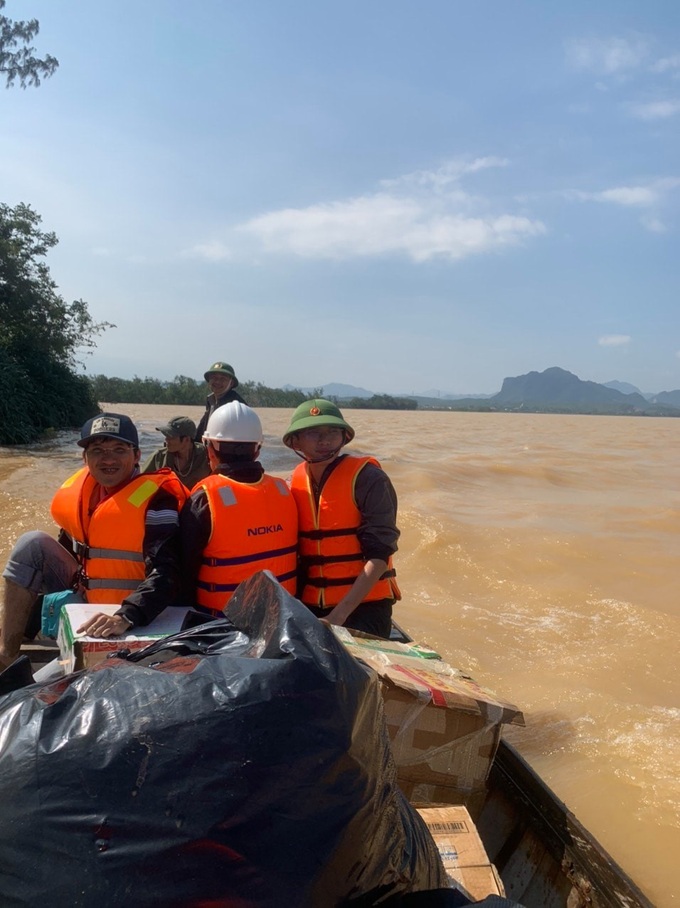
(101, 625)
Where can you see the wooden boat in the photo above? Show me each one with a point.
(545, 857)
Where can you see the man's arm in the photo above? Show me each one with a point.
(378, 535)
(371, 572)
(200, 429)
(194, 533)
(377, 501)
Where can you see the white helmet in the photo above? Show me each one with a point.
(234, 422)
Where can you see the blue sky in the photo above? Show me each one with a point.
(402, 196)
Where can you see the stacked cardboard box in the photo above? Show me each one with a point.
(465, 861)
(443, 726)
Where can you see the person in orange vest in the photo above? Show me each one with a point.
(118, 540)
(348, 533)
(239, 520)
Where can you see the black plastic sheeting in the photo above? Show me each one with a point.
(242, 763)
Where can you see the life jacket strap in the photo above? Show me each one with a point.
(230, 587)
(326, 534)
(248, 559)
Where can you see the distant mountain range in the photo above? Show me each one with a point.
(347, 392)
(556, 387)
(554, 390)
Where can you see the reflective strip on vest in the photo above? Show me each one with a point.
(142, 493)
(110, 584)
(115, 553)
(227, 496)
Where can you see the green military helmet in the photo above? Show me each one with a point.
(315, 413)
(222, 368)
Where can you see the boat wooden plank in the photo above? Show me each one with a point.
(500, 826)
(40, 651)
(533, 877)
(522, 865)
(549, 887)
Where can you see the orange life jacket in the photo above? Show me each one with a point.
(109, 542)
(330, 554)
(254, 528)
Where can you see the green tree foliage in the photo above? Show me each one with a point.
(181, 390)
(40, 336)
(34, 318)
(17, 57)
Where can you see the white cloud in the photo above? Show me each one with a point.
(614, 340)
(652, 198)
(628, 195)
(606, 56)
(422, 215)
(215, 251)
(656, 110)
(422, 226)
(654, 225)
(666, 64)
(646, 196)
(449, 173)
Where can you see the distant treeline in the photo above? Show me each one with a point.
(186, 391)
(379, 402)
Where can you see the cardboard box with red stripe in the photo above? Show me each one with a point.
(444, 727)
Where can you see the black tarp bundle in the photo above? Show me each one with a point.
(242, 763)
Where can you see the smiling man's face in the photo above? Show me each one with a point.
(219, 383)
(111, 462)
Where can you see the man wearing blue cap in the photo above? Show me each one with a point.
(118, 540)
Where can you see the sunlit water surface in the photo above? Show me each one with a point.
(541, 554)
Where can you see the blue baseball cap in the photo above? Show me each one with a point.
(109, 425)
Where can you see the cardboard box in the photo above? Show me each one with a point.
(466, 863)
(79, 651)
(444, 728)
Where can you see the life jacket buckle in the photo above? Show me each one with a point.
(81, 550)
